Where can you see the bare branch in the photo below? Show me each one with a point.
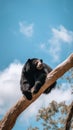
(9, 119)
(68, 122)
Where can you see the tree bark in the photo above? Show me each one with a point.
(68, 122)
(9, 119)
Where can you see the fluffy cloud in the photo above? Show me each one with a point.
(62, 34)
(60, 37)
(26, 29)
(9, 86)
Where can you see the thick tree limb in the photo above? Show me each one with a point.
(68, 122)
(9, 119)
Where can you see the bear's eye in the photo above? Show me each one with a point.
(35, 62)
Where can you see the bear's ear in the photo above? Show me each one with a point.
(29, 60)
(27, 66)
(41, 60)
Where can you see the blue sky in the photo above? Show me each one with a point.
(31, 28)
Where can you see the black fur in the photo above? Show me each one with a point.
(34, 77)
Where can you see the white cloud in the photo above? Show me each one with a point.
(9, 86)
(54, 51)
(26, 29)
(60, 36)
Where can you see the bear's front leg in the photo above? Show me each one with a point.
(37, 87)
(28, 95)
(25, 88)
(39, 82)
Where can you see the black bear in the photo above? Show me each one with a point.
(33, 75)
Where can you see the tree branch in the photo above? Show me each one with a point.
(9, 119)
(68, 122)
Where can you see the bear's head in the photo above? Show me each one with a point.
(34, 64)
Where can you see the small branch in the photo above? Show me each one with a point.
(9, 119)
(68, 122)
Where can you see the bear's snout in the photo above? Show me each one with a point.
(39, 65)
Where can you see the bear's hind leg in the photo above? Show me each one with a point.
(48, 90)
(26, 90)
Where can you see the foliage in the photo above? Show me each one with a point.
(54, 116)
